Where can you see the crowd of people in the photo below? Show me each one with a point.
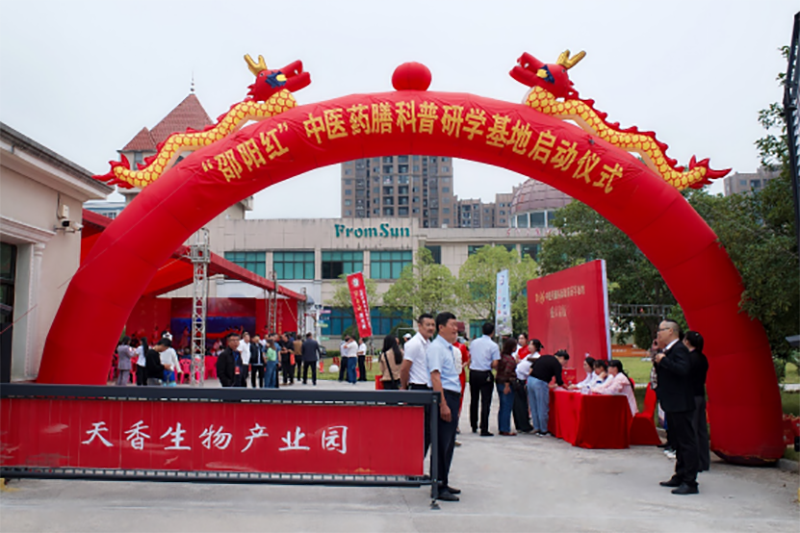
(265, 359)
(436, 358)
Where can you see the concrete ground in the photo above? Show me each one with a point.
(522, 483)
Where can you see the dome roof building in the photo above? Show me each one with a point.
(534, 204)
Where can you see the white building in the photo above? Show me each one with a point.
(41, 199)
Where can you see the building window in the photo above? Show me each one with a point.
(446, 200)
(376, 191)
(383, 321)
(531, 250)
(388, 190)
(388, 200)
(402, 180)
(387, 169)
(388, 265)
(445, 169)
(473, 248)
(255, 262)
(537, 219)
(388, 211)
(388, 159)
(551, 219)
(445, 210)
(339, 319)
(348, 202)
(348, 192)
(293, 265)
(402, 211)
(334, 264)
(446, 222)
(415, 210)
(416, 168)
(402, 159)
(522, 221)
(348, 213)
(445, 189)
(376, 211)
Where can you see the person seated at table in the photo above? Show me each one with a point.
(588, 381)
(619, 383)
(600, 372)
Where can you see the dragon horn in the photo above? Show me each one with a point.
(255, 68)
(565, 61)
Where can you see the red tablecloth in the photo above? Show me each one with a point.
(590, 420)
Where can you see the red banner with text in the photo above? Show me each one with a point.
(192, 436)
(358, 295)
(568, 311)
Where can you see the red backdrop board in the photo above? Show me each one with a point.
(194, 436)
(568, 311)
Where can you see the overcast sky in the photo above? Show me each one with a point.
(83, 77)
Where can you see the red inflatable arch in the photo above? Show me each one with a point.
(745, 420)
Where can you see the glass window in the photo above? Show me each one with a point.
(388, 211)
(436, 253)
(416, 168)
(388, 190)
(334, 264)
(255, 262)
(402, 159)
(388, 200)
(389, 264)
(445, 189)
(402, 211)
(293, 265)
(445, 169)
(531, 250)
(348, 202)
(339, 319)
(446, 211)
(537, 220)
(522, 221)
(387, 169)
(376, 191)
(473, 248)
(551, 219)
(348, 191)
(402, 180)
(383, 321)
(348, 213)
(388, 159)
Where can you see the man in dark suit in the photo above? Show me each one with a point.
(310, 351)
(675, 393)
(229, 363)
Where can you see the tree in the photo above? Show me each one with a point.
(477, 280)
(583, 236)
(341, 294)
(423, 287)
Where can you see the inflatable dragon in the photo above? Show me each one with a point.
(268, 96)
(552, 93)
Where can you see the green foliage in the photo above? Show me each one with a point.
(477, 281)
(584, 236)
(341, 294)
(423, 287)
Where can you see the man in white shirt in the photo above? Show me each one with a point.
(350, 357)
(244, 351)
(362, 359)
(483, 357)
(414, 373)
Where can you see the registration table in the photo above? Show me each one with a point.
(590, 420)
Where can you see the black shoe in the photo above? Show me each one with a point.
(452, 490)
(671, 483)
(543, 433)
(447, 496)
(686, 489)
(474, 430)
(486, 434)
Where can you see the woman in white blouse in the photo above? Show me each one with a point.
(618, 383)
(589, 380)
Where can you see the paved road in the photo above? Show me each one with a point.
(522, 483)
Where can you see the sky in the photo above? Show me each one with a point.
(83, 77)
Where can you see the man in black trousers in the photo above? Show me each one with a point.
(483, 357)
(675, 393)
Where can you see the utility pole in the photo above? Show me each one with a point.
(200, 258)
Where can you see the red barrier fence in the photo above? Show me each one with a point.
(229, 435)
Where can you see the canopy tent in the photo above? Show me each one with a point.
(177, 271)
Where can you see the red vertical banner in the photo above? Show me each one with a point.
(358, 295)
